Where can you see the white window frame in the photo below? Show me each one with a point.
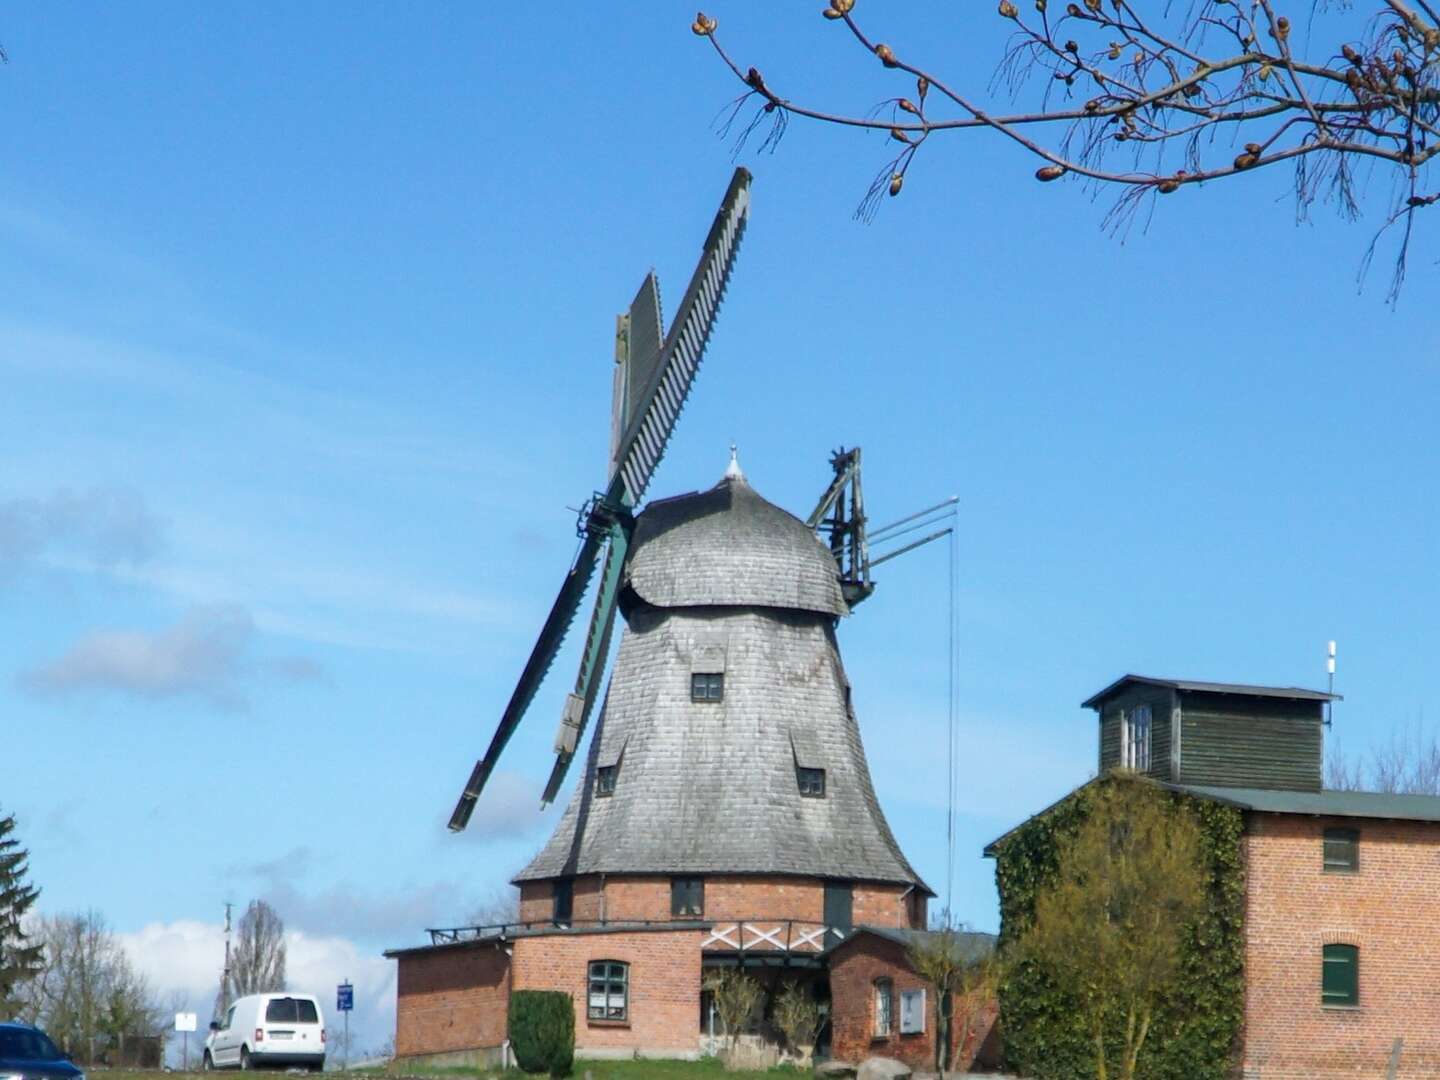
(884, 997)
(1135, 728)
(912, 1012)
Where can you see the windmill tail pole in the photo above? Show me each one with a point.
(913, 545)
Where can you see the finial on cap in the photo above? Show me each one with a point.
(732, 471)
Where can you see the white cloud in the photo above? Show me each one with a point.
(206, 654)
(509, 808)
(107, 524)
(184, 959)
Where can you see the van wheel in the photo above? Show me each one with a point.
(207, 1063)
(245, 1058)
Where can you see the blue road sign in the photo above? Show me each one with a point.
(344, 997)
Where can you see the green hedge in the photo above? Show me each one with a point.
(542, 1031)
(1195, 1033)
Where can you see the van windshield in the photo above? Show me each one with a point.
(291, 1011)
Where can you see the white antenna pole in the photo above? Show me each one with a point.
(1330, 673)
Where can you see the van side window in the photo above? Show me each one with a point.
(230, 1018)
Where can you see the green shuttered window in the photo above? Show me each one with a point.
(1340, 977)
(1342, 851)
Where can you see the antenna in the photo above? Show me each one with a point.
(1330, 688)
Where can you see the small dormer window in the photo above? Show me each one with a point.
(812, 782)
(605, 779)
(707, 686)
(1135, 738)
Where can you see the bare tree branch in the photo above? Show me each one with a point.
(1209, 78)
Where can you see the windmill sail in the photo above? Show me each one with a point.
(658, 405)
(653, 379)
(557, 623)
(637, 355)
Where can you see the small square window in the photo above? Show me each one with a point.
(912, 1012)
(687, 897)
(707, 686)
(1342, 851)
(605, 779)
(812, 782)
(1340, 975)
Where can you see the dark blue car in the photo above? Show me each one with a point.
(28, 1052)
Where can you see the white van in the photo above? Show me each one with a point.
(262, 1030)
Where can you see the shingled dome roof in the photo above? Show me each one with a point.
(728, 546)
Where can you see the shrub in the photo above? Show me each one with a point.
(798, 1015)
(542, 1031)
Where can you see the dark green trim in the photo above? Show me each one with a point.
(1340, 975)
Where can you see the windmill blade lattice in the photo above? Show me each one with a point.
(649, 428)
(652, 387)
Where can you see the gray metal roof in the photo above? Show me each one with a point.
(1291, 692)
(1366, 804)
(710, 787)
(969, 944)
(729, 546)
(1360, 804)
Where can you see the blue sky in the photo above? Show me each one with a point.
(305, 324)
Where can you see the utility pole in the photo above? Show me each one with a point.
(225, 975)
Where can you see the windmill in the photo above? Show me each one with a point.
(655, 369)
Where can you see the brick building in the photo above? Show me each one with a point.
(880, 1006)
(1342, 888)
(725, 815)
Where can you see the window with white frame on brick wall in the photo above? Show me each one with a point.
(884, 994)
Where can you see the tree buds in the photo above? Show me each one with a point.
(703, 25)
(1008, 10)
(886, 55)
(896, 182)
(1049, 172)
(907, 105)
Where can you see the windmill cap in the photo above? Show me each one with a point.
(729, 547)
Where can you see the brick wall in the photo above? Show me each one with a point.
(854, 968)
(664, 1003)
(451, 1000)
(636, 897)
(1390, 910)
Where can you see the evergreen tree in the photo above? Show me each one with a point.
(19, 961)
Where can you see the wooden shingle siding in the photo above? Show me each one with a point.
(1250, 742)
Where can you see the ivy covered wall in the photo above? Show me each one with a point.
(1196, 1031)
